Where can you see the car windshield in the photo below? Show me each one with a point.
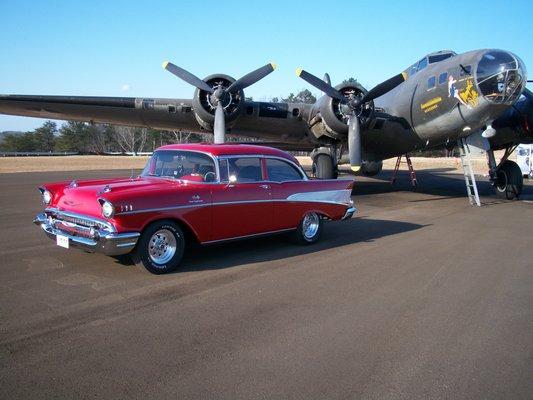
(184, 165)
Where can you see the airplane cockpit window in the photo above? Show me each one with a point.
(439, 57)
(431, 82)
(422, 64)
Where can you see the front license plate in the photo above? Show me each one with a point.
(62, 241)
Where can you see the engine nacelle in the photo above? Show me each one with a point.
(204, 109)
(331, 118)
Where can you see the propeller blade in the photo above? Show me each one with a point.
(320, 85)
(251, 78)
(327, 79)
(187, 76)
(354, 143)
(384, 87)
(219, 127)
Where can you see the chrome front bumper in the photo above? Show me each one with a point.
(101, 240)
(349, 212)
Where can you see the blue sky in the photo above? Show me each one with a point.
(115, 48)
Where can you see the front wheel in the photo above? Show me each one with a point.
(161, 247)
(509, 181)
(309, 229)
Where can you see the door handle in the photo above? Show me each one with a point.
(264, 186)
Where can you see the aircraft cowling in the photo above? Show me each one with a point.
(204, 109)
(331, 117)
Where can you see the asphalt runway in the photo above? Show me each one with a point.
(420, 296)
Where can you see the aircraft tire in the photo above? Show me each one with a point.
(323, 167)
(509, 182)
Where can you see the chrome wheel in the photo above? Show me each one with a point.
(310, 225)
(162, 246)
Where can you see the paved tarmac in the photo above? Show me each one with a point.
(421, 296)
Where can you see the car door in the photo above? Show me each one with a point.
(285, 180)
(242, 202)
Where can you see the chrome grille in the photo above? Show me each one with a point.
(75, 223)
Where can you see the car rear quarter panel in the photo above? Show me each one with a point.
(292, 200)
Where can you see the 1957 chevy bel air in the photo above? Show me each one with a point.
(200, 193)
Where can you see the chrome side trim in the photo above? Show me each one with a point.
(323, 196)
(249, 236)
(225, 203)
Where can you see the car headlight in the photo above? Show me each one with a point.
(107, 209)
(46, 196)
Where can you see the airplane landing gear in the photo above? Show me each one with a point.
(508, 182)
(325, 162)
(506, 177)
(324, 167)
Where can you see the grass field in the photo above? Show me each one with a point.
(81, 163)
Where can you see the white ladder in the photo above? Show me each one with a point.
(468, 171)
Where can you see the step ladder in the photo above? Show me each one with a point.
(468, 171)
(412, 174)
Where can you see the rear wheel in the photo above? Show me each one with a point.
(161, 247)
(309, 229)
(509, 181)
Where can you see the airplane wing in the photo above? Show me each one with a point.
(167, 114)
(283, 123)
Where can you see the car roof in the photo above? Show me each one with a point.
(232, 149)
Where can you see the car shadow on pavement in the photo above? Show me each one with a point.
(281, 246)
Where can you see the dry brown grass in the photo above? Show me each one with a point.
(80, 163)
(69, 163)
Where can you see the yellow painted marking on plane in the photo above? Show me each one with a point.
(405, 75)
(355, 168)
(430, 103)
(299, 71)
(164, 65)
(274, 65)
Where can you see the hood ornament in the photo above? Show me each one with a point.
(105, 189)
(73, 184)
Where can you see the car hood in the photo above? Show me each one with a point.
(82, 196)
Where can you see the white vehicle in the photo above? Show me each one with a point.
(524, 159)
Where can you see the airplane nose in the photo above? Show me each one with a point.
(501, 76)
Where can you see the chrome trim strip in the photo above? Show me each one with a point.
(289, 200)
(249, 236)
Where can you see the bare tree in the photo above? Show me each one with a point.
(131, 139)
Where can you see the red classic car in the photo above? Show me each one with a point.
(192, 192)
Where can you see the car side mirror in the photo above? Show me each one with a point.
(232, 179)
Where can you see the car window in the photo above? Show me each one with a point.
(246, 169)
(184, 165)
(223, 166)
(280, 171)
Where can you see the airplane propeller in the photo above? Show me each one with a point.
(354, 103)
(218, 95)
